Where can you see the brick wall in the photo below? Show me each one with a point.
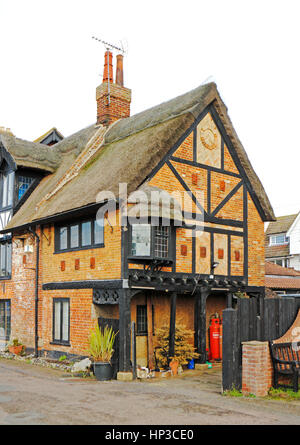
(257, 371)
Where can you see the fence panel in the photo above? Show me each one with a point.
(264, 320)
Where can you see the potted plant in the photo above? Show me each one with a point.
(184, 349)
(16, 347)
(101, 342)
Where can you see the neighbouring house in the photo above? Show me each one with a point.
(282, 280)
(75, 250)
(283, 241)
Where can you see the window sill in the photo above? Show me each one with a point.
(150, 259)
(60, 343)
(8, 277)
(76, 249)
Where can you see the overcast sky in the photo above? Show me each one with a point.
(50, 67)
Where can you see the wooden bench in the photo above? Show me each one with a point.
(286, 361)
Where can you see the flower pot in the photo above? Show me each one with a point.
(15, 349)
(103, 371)
(174, 367)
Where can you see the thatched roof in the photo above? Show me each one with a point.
(126, 152)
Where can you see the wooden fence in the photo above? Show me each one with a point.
(252, 319)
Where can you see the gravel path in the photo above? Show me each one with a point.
(34, 395)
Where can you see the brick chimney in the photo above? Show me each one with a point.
(113, 99)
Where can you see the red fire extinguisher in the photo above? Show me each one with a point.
(214, 337)
(221, 338)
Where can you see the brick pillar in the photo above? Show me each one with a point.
(257, 373)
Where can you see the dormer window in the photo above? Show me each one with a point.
(278, 239)
(24, 182)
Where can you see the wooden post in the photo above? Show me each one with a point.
(230, 364)
(150, 331)
(133, 348)
(200, 324)
(172, 324)
(124, 334)
(229, 300)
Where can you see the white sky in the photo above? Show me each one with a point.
(50, 67)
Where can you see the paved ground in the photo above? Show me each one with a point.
(33, 395)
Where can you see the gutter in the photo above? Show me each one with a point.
(36, 308)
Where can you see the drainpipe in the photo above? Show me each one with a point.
(36, 338)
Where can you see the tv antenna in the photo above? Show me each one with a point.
(109, 46)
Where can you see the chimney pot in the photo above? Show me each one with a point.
(108, 67)
(119, 70)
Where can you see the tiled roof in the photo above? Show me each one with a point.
(282, 283)
(277, 251)
(281, 225)
(274, 269)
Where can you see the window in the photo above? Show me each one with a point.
(82, 235)
(5, 259)
(161, 241)
(61, 320)
(141, 319)
(24, 182)
(150, 241)
(278, 239)
(7, 188)
(284, 262)
(141, 239)
(4, 319)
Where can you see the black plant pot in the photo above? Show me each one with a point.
(103, 371)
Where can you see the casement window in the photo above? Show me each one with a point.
(150, 241)
(5, 319)
(278, 239)
(6, 188)
(80, 235)
(5, 258)
(61, 321)
(24, 182)
(142, 321)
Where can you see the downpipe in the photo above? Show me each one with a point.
(36, 304)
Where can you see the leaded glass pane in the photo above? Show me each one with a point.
(161, 240)
(24, 184)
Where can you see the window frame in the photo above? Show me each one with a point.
(144, 333)
(139, 307)
(271, 243)
(6, 241)
(171, 246)
(78, 223)
(6, 300)
(56, 341)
